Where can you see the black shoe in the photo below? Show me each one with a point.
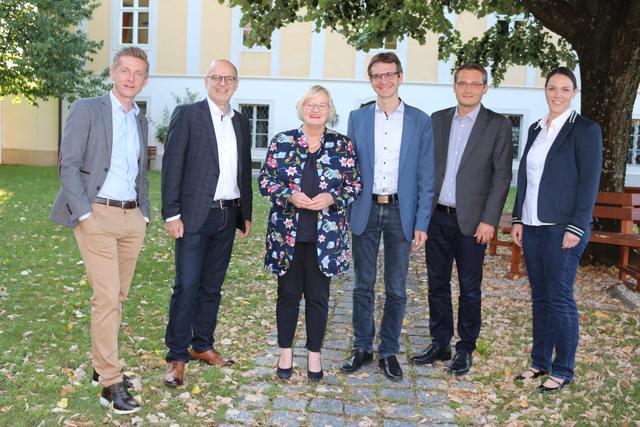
(391, 367)
(128, 381)
(432, 353)
(314, 376)
(358, 359)
(117, 397)
(284, 373)
(560, 385)
(461, 363)
(534, 374)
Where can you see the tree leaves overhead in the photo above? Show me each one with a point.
(43, 52)
(516, 38)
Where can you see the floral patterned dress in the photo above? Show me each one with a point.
(281, 177)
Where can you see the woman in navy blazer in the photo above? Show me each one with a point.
(557, 185)
(311, 176)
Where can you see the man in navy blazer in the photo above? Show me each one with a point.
(206, 195)
(394, 143)
(473, 173)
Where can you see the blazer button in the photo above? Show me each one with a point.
(98, 187)
(106, 169)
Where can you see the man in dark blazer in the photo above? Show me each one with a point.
(473, 172)
(104, 197)
(206, 195)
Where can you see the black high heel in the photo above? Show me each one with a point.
(314, 376)
(284, 373)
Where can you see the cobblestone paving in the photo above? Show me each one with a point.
(365, 398)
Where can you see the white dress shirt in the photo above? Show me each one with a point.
(227, 188)
(388, 136)
(535, 165)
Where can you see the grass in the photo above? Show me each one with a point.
(45, 349)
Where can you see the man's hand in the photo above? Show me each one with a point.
(320, 202)
(419, 238)
(300, 200)
(570, 240)
(484, 233)
(247, 230)
(174, 228)
(516, 234)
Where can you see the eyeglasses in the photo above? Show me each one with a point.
(320, 107)
(218, 79)
(378, 77)
(465, 85)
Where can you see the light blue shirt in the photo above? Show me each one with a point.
(460, 131)
(120, 183)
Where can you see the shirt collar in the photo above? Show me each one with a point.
(117, 105)
(399, 110)
(472, 116)
(217, 111)
(556, 123)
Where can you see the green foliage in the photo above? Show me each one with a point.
(516, 38)
(43, 52)
(162, 128)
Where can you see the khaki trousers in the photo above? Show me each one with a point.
(109, 242)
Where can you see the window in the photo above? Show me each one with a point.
(258, 123)
(142, 105)
(134, 22)
(246, 31)
(633, 157)
(389, 43)
(516, 133)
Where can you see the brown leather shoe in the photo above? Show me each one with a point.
(211, 357)
(174, 375)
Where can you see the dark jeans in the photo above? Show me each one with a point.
(384, 220)
(552, 271)
(303, 277)
(202, 259)
(445, 244)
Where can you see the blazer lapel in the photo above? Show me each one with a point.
(238, 131)
(370, 136)
(107, 117)
(443, 143)
(143, 143)
(407, 120)
(564, 132)
(212, 142)
(474, 136)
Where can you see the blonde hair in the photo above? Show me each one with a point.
(314, 91)
(134, 52)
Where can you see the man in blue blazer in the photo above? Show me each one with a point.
(206, 195)
(473, 172)
(394, 143)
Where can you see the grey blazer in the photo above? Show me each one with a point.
(85, 158)
(484, 174)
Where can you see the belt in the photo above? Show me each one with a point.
(122, 204)
(385, 198)
(446, 209)
(225, 204)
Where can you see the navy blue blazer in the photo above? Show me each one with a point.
(190, 167)
(570, 176)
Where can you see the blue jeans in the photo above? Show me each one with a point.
(384, 220)
(202, 259)
(552, 271)
(446, 243)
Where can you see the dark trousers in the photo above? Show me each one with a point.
(202, 259)
(552, 272)
(303, 278)
(445, 244)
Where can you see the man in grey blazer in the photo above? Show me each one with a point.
(473, 171)
(104, 197)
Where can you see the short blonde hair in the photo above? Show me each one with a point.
(134, 52)
(314, 91)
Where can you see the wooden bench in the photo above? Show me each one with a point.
(624, 207)
(517, 268)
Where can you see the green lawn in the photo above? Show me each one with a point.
(45, 310)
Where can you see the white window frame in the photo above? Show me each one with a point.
(136, 10)
(258, 153)
(116, 30)
(637, 141)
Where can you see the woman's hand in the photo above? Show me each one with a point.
(300, 200)
(570, 240)
(321, 201)
(516, 233)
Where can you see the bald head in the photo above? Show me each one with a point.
(221, 82)
(224, 62)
